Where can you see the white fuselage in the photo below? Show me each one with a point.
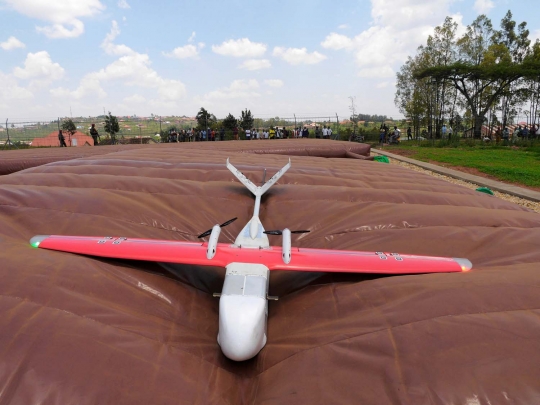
(243, 304)
(243, 311)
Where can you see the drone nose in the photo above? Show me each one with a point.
(242, 324)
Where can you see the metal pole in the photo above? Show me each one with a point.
(336, 137)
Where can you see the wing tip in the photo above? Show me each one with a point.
(36, 240)
(465, 264)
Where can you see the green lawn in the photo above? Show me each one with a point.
(516, 165)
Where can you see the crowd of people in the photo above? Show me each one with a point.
(387, 135)
(211, 134)
(519, 133)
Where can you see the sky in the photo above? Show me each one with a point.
(75, 58)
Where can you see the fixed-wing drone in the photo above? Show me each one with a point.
(243, 305)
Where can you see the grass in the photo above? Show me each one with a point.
(519, 165)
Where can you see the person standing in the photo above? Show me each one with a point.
(516, 134)
(222, 134)
(248, 134)
(94, 134)
(235, 133)
(62, 139)
(409, 133)
(443, 130)
(505, 135)
(525, 133)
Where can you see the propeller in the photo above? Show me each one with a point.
(281, 232)
(208, 232)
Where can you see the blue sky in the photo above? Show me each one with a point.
(169, 57)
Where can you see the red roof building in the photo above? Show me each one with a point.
(77, 139)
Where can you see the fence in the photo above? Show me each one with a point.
(44, 133)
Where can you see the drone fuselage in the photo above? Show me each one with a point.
(243, 310)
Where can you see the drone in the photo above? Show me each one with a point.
(248, 263)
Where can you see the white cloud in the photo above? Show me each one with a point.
(377, 72)
(238, 89)
(397, 28)
(11, 43)
(343, 27)
(274, 83)
(10, 90)
(123, 4)
(240, 48)
(409, 13)
(110, 47)
(135, 99)
(60, 31)
(131, 69)
(483, 6)
(192, 37)
(535, 35)
(337, 41)
(64, 15)
(297, 56)
(255, 64)
(184, 52)
(40, 69)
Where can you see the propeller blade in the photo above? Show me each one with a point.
(273, 232)
(300, 231)
(202, 235)
(208, 232)
(230, 221)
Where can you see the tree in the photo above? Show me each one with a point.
(423, 100)
(111, 126)
(246, 121)
(517, 45)
(205, 119)
(230, 122)
(69, 127)
(486, 68)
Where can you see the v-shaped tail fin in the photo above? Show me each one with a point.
(257, 191)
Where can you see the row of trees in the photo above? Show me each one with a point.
(485, 74)
(208, 120)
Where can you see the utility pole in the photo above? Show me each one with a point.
(336, 137)
(352, 108)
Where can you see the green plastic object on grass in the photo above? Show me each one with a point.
(382, 159)
(485, 190)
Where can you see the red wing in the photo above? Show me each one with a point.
(124, 248)
(345, 261)
(322, 260)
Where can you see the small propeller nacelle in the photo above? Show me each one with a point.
(286, 242)
(214, 237)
